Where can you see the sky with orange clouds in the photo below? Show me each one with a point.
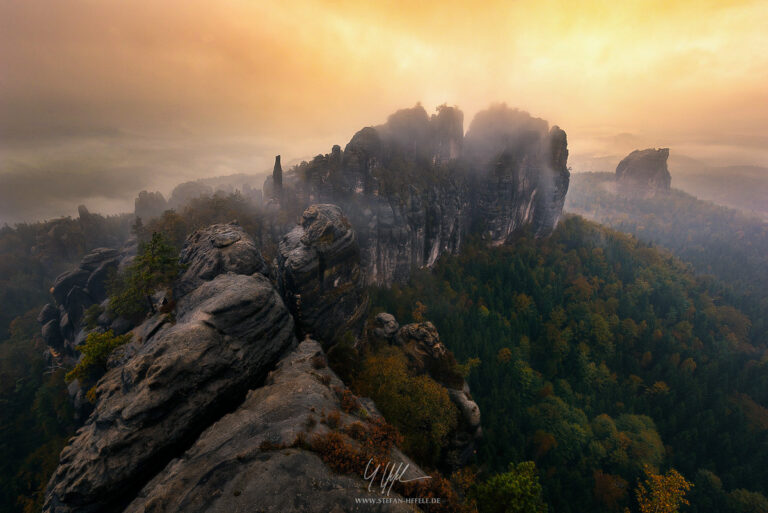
(100, 99)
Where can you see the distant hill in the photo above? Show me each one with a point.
(717, 240)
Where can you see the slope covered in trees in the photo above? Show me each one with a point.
(717, 241)
(602, 357)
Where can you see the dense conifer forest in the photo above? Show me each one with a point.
(601, 356)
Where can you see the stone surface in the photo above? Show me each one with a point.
(237, 464)
(645, 170)
(385, 326)
(228, 334)
(415, 186)
(74, 292)
(320, 276)
(214, 250)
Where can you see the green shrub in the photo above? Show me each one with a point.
(515, 491)
(92, 315)
(156, 265)
(96, 350)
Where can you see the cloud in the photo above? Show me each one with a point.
(127, 87)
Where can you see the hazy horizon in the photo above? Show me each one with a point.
(99, 101)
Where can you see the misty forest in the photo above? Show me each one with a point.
(244, 268)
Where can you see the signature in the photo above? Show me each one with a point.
(390, 474)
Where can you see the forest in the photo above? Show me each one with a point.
(603, 365)
(717, 241)
(601, 355)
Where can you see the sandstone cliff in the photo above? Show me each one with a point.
(415, 186)
(644, 171)
(216, 406)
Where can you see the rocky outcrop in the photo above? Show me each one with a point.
(73, 293)
(414, 186)
(259, 456)
(522, 171)
(644, 170)
(214, 250)
(320, 276)
(427, 355)
(385, 326)
(165, 389)
(217, 408)
(277, 179)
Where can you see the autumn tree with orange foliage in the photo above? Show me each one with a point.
(662, 493)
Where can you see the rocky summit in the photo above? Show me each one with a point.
(214, 405)
(414, 187)
(644, 170)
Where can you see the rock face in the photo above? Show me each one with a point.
(319, 274)
(218, 408)
(246, 459)
(214, 250)
(74, 292)
(645, 170)
(164, 389)
(413, 187)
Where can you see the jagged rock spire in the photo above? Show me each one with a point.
(277, 179)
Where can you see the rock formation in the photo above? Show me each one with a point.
(246, 461)
(170, 385)
(320, 276)
(74, 292)
(219, 248)
(644, 171)
(427, 355)
(216, 407)
(277, 179)
(414, 186)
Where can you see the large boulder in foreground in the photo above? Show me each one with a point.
(230, 331)
(250, 459)
(645, 170)
(320, 276)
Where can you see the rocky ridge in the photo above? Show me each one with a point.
(73, 293)
(415, 186)
(184, 420)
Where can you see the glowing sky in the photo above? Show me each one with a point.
(99, 99)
